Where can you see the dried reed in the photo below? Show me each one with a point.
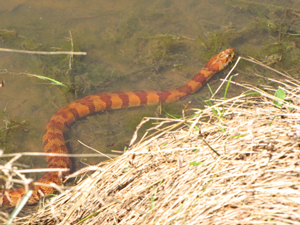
(176, 177)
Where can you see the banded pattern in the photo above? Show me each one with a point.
(53, 138)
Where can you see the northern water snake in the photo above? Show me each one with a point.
(54, 140)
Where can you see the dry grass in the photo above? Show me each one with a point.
(175, 177)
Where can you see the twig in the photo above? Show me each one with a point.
(41, 52)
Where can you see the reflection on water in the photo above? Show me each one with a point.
(131, 45)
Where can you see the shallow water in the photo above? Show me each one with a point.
(130, 45)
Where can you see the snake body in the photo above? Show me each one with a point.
(54, 140)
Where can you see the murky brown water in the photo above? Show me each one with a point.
(168, 41)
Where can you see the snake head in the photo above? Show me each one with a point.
(220, 61)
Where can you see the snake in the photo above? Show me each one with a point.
(54, 140)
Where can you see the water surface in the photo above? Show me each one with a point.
(130, 45)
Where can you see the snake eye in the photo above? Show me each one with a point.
(230, 55)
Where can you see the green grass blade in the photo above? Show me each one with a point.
(47, 78)
(20, 206)
(227, 86)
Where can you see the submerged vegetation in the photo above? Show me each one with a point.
(11, 130)
(272, 36)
